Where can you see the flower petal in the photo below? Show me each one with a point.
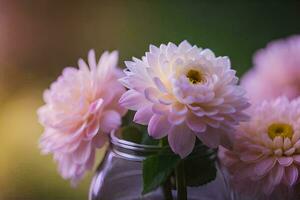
(133, 100)
(81, 155)
(181, 140)
(110, 121)
(285, 161)
(100, 139)
(264, 166)
(158, 126)
(92, 130)
(277, 174)
(92, 59)
(159, 84)
(211, 137)
(291, 175)
(95, 106)
(195, 123)
(297, 158)
(143, 115)
(152, 94)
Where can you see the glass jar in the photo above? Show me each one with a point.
(119, 176)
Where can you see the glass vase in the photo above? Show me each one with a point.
(119, 176)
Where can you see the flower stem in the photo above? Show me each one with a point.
(167, 189)
(180, 181)
(161, 143)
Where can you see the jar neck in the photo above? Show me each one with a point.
(138, 152)
(130, 150)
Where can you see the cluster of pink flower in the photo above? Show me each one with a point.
(183, 92)
(265, 156)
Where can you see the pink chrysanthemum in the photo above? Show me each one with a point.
(81, 108)
(184, 92)
(266, 151)
(276, 71)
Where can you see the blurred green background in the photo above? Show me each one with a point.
(39, 38)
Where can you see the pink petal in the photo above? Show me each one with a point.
(285, 161)
(264, 166)
(297, 144)
(227, 157)
(297, 158)
(95, 106)
(90, 162)
(103, 59)
(243, 172)
(276, 174)
(211, 137)
(152, 94)
(92, 59)
(166, 99)
(67, 123)
(184, 45)
(181, 140)
(158, 126)
(267, 188)
(195, 123)
(109, 64)
(76, 134)
(152, 59)
(153, 49)
(290, 152)
(133, 100)
(179, 109)
(92, 130)
(291, 175)
(110, 121)
(159, 84)
(160, 109)
(65, 166)
(68, 148)
(82, 154)
(212, 123)
(175, 119)
(100, 139)
(143, 115)
(82, 65)
(250, 156)
(278, 142)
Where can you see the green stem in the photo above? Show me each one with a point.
(180, 181)
(167, 189)
(161, 143)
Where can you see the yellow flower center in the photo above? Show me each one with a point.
(195, 76)
(280, 129)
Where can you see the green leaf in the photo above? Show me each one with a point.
(138, 134)
(132, 134)
(200, 167)
(146, 138)
(157, 169)
(127, 119)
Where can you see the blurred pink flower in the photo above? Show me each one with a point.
(266, 151)
(276, 71)
(81, 109)
(184, 92)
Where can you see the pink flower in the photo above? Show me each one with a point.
(81, 109)
(266, 151)
(276, 71)
(184, 92)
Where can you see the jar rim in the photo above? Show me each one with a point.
(131, 150)
(117, 140)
